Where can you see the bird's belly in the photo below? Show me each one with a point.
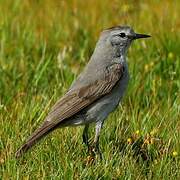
(101, 109)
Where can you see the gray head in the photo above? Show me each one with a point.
(119, 39)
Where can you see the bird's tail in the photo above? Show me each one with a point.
(36, 136)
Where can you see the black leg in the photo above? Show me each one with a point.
(85, 136)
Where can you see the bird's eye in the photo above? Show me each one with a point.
(122, 35)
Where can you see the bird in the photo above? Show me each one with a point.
(95, 93)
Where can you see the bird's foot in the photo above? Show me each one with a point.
(94, 151)
(93, 154)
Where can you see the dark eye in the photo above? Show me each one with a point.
(122, 35)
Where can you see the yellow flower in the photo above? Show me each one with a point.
(170, 55)
(129, 141)
(137, 132)
(175, 153)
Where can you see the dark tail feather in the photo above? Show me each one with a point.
(36, 136)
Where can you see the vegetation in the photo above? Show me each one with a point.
(45, 44)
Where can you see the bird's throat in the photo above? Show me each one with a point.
(119, 55)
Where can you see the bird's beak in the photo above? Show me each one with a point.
(138, 36)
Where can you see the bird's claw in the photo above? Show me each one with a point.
(94, 151)
(93, 154)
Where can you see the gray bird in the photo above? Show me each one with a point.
(96, 92)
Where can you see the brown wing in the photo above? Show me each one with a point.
(75, 101)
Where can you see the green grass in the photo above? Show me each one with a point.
(43, 47)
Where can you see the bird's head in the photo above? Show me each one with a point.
(120, 38)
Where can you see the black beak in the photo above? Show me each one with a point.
(138, 36)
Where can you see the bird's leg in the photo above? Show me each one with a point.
(96, 148)
(85, 136)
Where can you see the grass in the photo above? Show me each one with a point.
(43, 47)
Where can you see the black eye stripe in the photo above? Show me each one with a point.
(122, 35)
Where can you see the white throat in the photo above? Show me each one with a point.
(122, 59)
